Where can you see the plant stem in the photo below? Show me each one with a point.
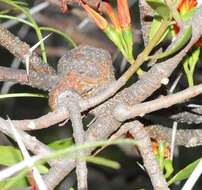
(142, 56)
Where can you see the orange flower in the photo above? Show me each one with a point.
(99, 20)
(110, 12)
(119, 32)
(183, 7)
(123, 13)
(155, 149)
(186, 5)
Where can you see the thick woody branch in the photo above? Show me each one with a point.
(150, 162)
(123, 112)
(184, 137)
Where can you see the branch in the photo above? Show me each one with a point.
(105, 123)
(190, 117)
(31, 143)
(20, 49)
(123, 112)
(137, 92)
(150, 162)
(42, 75)
(79, 137)
(184, 137)
(37, 80)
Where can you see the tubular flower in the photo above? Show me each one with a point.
(110, 12)
(186, 5)
(119, 32)
(125, 23)
(100, 21)
(123, 13)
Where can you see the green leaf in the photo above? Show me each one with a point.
(103, 162)
(17, 95)
(61, 144)
(42, 169)
(127, 36)
(9, 155)
(160, 8)
(11, 182)
(117, 38)
(71, 188)
(184, 173)
(179, 44)
(160, 154)
(168, 167)
(189, 65)
(18, 180)
(66, 37)
(154, 28)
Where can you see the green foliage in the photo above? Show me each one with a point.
(17, 181)
(63, 147)
(62, 34)
(168, 166)
(16, 95)
(61, 144)
(189, 64)
(160, 8)
(184, 173)
(165, 163)
(71, 188)
(10, 156)
(103, 162)
(179, 44)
